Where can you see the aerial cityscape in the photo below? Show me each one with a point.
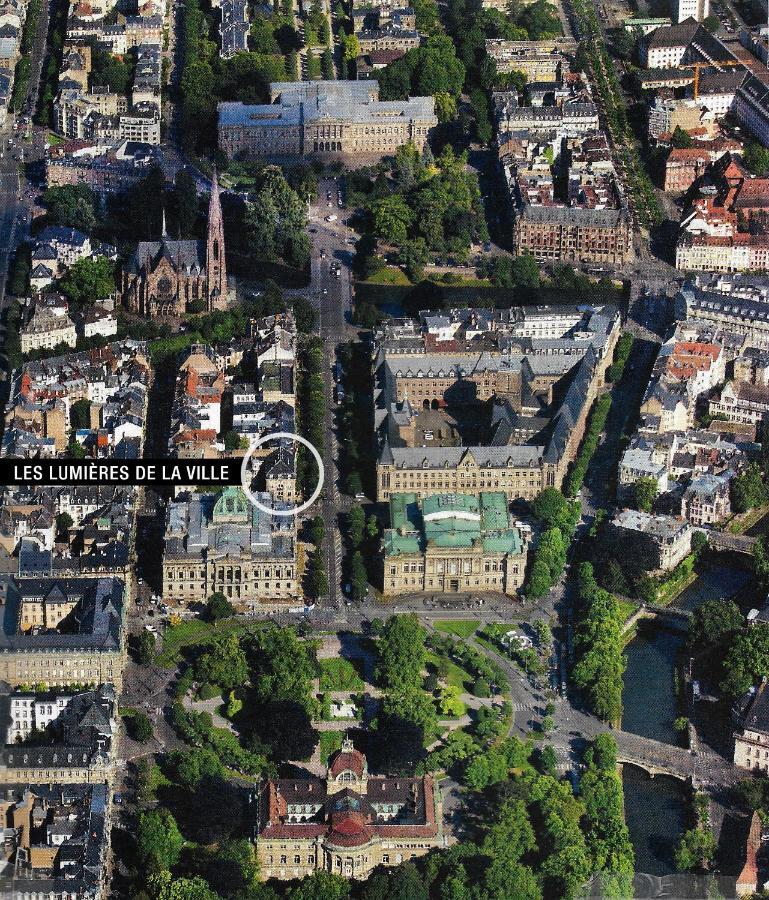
(384, 449)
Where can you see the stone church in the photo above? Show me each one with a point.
(162, 278)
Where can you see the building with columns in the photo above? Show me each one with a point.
(347, 823)
(326, 119)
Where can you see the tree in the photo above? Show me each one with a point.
(445, 106)
(90, 278)
(274, 222)
(219, 607)
(350, 46)
(282, 668)
(327, 64)
(748, 490)
(645, 491)
(358, 576)
(233, 868)
(756, 158)
(108, 70)
(64, 522)
(681, 139)
(525, 271)
(449, 700)
(72, 205)
(159, 841)
(392, 219)
(163, 886)
(190, 767)
(80, 415)
(550, 507)
(185, 204)
(747, 660)
(714, 624)
(414, 257)
(224, 663)
(320, 885)
(761, 559)
(401, 652)
(317, 580)
(356, 521)
(145, 648)
(695, 850)
(138, 726)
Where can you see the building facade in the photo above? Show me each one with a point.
(326, 119)
(224, 544)
(553, 233)
(452, 543)
(348, 823)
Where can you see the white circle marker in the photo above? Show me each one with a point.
(244, 475)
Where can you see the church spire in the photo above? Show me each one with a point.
(164, 233)
(216, 268)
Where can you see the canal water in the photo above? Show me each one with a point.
(718, 581)
(656, 806)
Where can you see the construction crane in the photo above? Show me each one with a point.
(715, 64)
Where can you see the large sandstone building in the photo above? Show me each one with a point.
(163, 278)
(326, 119)
(471, 400)
(348, 823)
(452, 543)
(221, 543)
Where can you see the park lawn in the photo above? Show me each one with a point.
(626, 608)
(339, 675)
(53, 140)
(461, 627)
(456, 676)
(330, 742)
(196, 632)
(388, 275)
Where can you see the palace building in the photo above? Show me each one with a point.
(451, 543)
(221, 543)
(162, 278)
(348, 823)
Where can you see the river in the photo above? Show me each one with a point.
(719, 580)
(657, 805)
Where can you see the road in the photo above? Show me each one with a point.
(332, 295)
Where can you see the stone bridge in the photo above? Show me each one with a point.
(677, 619)
(739, 543)
(655, 757)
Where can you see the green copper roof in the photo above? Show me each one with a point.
(450, 520)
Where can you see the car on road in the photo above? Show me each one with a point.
(332, 217)
(151, 629)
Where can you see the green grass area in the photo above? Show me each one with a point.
(626, 608)
(339, 675)
(53, 140)
(197, 632)
(456, 674)
(460, 627)
(389, 275)
(330, 742)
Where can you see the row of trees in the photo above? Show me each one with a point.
(207, 78)
(362, 536)
(310, 412)
(599, 647)
(559, 517)
(354, 420)
(22, 70)
(598, 415)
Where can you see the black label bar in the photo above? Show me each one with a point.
(150, 472)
